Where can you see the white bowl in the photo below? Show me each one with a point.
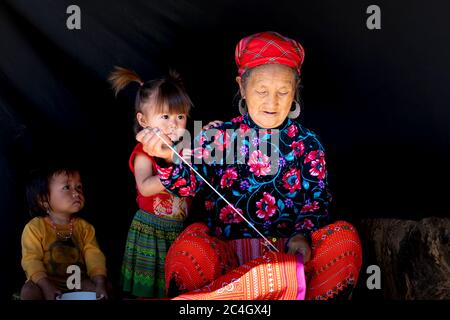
(78, 295)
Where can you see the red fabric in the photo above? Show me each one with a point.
(195, 259)
(161, 202)
(248, 249)
(274, 276)
(336, 261)
(268, 48)
(334, 266)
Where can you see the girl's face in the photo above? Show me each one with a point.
(66, 193)
(171, 124)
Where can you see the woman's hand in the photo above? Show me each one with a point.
(212, 124)
(299, 244)
(153, 145)
(48, 289)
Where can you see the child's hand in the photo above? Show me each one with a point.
(153, 145)
(212, 124)
(100, 287)
(48, 289)
(101, 292)
(299, 244)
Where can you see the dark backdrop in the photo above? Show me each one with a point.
(379, 99)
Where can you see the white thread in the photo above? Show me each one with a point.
(235, 210)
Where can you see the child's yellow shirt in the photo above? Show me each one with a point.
(43, 254)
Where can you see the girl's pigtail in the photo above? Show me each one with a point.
(121, 77)
(175, 77)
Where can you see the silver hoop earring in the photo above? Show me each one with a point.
(296, 112)
(242, 107)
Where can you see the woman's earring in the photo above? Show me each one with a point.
(242, 107)
(296, 112)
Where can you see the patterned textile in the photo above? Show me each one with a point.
(333, 269)
(336, 261)
(164, 203)
(248, 249)
(274, 276)
(268, 48)
(282, 195)
(149, 239)
(195, 259)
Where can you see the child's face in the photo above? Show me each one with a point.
(172, 124)
(66, 193)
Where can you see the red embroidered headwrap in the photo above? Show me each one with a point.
(268, 48)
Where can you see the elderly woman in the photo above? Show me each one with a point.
(280, 197)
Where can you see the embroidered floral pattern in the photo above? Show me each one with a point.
(228, 178)
(317, 160)
(259, 163)
(298, 147)
(291, 180)
(228, 215)
(266, 206)
(291, 198)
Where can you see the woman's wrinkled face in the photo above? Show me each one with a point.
(269, 92)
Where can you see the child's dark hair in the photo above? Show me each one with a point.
(38, 187)
(168, 91)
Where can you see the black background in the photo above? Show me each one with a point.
(379, 99)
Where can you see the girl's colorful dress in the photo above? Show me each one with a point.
(156, 224)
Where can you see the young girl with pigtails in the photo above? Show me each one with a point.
(162, 105)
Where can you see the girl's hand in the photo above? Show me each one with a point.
(48, 289)
(153, 145)
(299, 244)
(212, 124)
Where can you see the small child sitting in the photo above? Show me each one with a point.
(55, 238)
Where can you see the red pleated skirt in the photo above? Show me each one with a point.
(204, 267)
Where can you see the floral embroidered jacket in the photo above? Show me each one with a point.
(281, 190)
